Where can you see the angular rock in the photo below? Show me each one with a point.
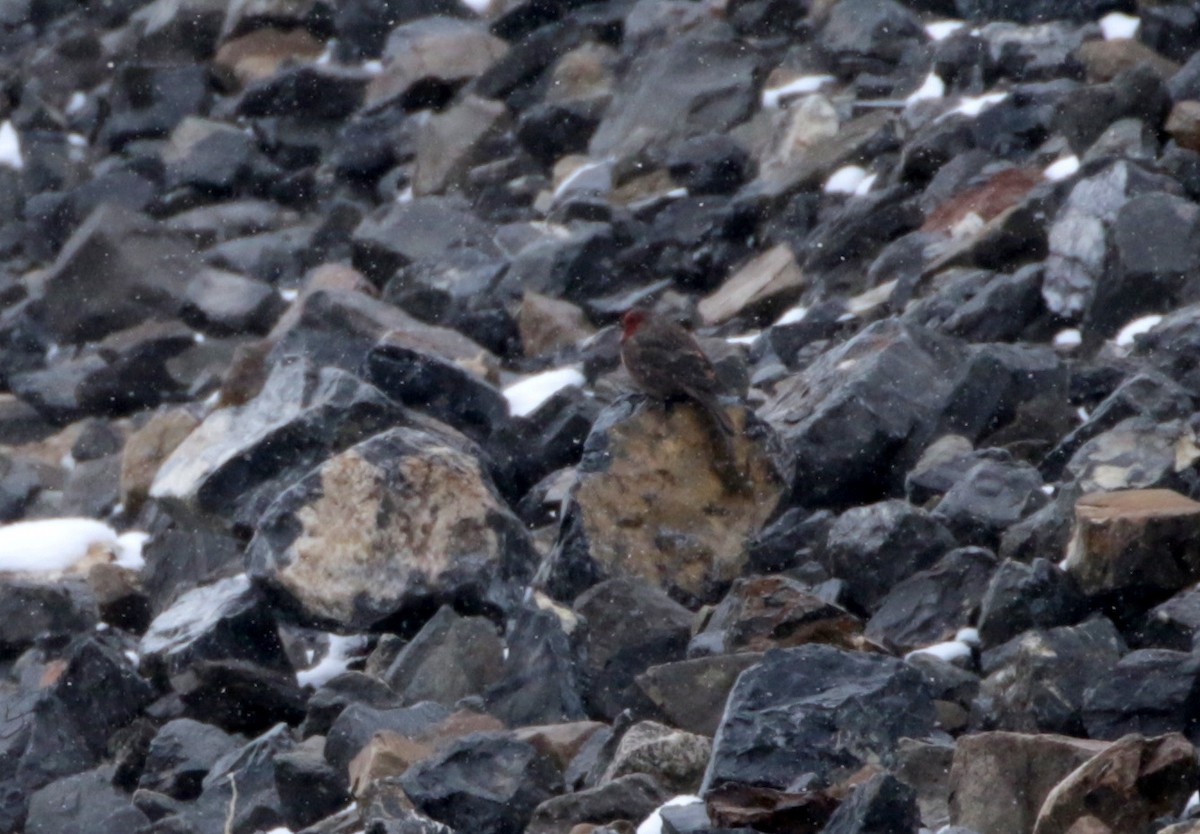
(1020, 597)
(1125, 787)
(675, 759)
(692, 693)
(423, 229)
(990, 497)
(683, 528)
(84, 804)
(454, 141)
(1135, 544)
(224, 303)
(619, 647)
(227, 620)
(235, 462)
(761, 289)
(999, 780)
(483, 782)
(451, 658)
(391, 525)
(32, 609)
(1149, 692)
(631, 797)
(775, 612)
(932, 605)
(239, 696)
(1172, 625)
(796, 713)
(181, 755)
(861, 35)
(1038, 680)
(882, 804)
(354, 728)
(314, 92)
(309, 789)
(863, 543)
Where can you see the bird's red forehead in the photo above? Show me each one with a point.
(632, 320)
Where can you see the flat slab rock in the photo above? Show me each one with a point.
(398, 520)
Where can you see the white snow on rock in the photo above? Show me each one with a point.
(775, 96)
(845, 180)
(341, 651)
(525, 396)
(480, 7)
(864, 187)
(10, 147)
(1118, 26)
(75, 103)
(939, 30)
(55, 544)
(791, 315)
(970, 636)
(743, 339)
(1060, 169)
(1137, 327)
(653, 824)
(950, 651)
(1069, 338)
(933, 88)
(974, 105)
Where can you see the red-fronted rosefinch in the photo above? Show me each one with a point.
(666, 362)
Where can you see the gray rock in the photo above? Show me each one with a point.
(1149, 691)
(450, 658)
(181, 755)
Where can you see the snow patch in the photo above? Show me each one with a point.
(974, 105)
(653, 824)
(1118, 26)
(10, 147)
(1069, 338)
(864, 187)
(774, 96)
(373, 67)
(744, 339)
(76, 140)
(1193, 802)
(933, 88)
(949, 651)
(970, 636)
(480, 7)
(939, 30)
(1060, 169)
(75, 103)
(1137, 327)
(791, 316)
(845, 180)
(341, 651)
(525, 396)
(55, 544)
(289, 294)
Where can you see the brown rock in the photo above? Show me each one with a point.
(1104, 60)
(692, 693)
(999, 780)
(1183, 124)
(583, 73)
(764, 286)
(659, 510)
(1143, 541)
(434, 50)
(559, 741)
(998, 193)
(145, 451)
(775, 612)
(261, 53)
(547, 324)
(1124, 788)
(925, 767)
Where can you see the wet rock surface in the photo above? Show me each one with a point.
(320, 303)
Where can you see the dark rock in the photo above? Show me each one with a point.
(1076, 11)
(35, 610)
(450, 658)
(630, 627)
(424, 229)
(454, 141)
(83, 804)
(309, 91)
(128, 268)
(181, 755)
(222, 302)
(309, 789)
(239, 696)
(713, 164)
(576, 264)
(847, 449)
(544, 680)
(881, 805)
(1149, 691)
(932, 605)
(363, 25)
(794, 538)
(483, 782)
(229, 620)
(805, 700)
(1171, 625)
(1036, 682)
(1020, 597)
(20, 481)
(862, 36)
(356, 725)
(552, 130)
(551, 438)
(863, 542)
(450, 541)
(700, 83)
(339, 692)
(990, 497)
(692, 693)
(99, 689)
(149, 100)
(233, 465)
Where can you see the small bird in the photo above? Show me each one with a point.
(666, 362)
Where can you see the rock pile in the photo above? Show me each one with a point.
(322, 296)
